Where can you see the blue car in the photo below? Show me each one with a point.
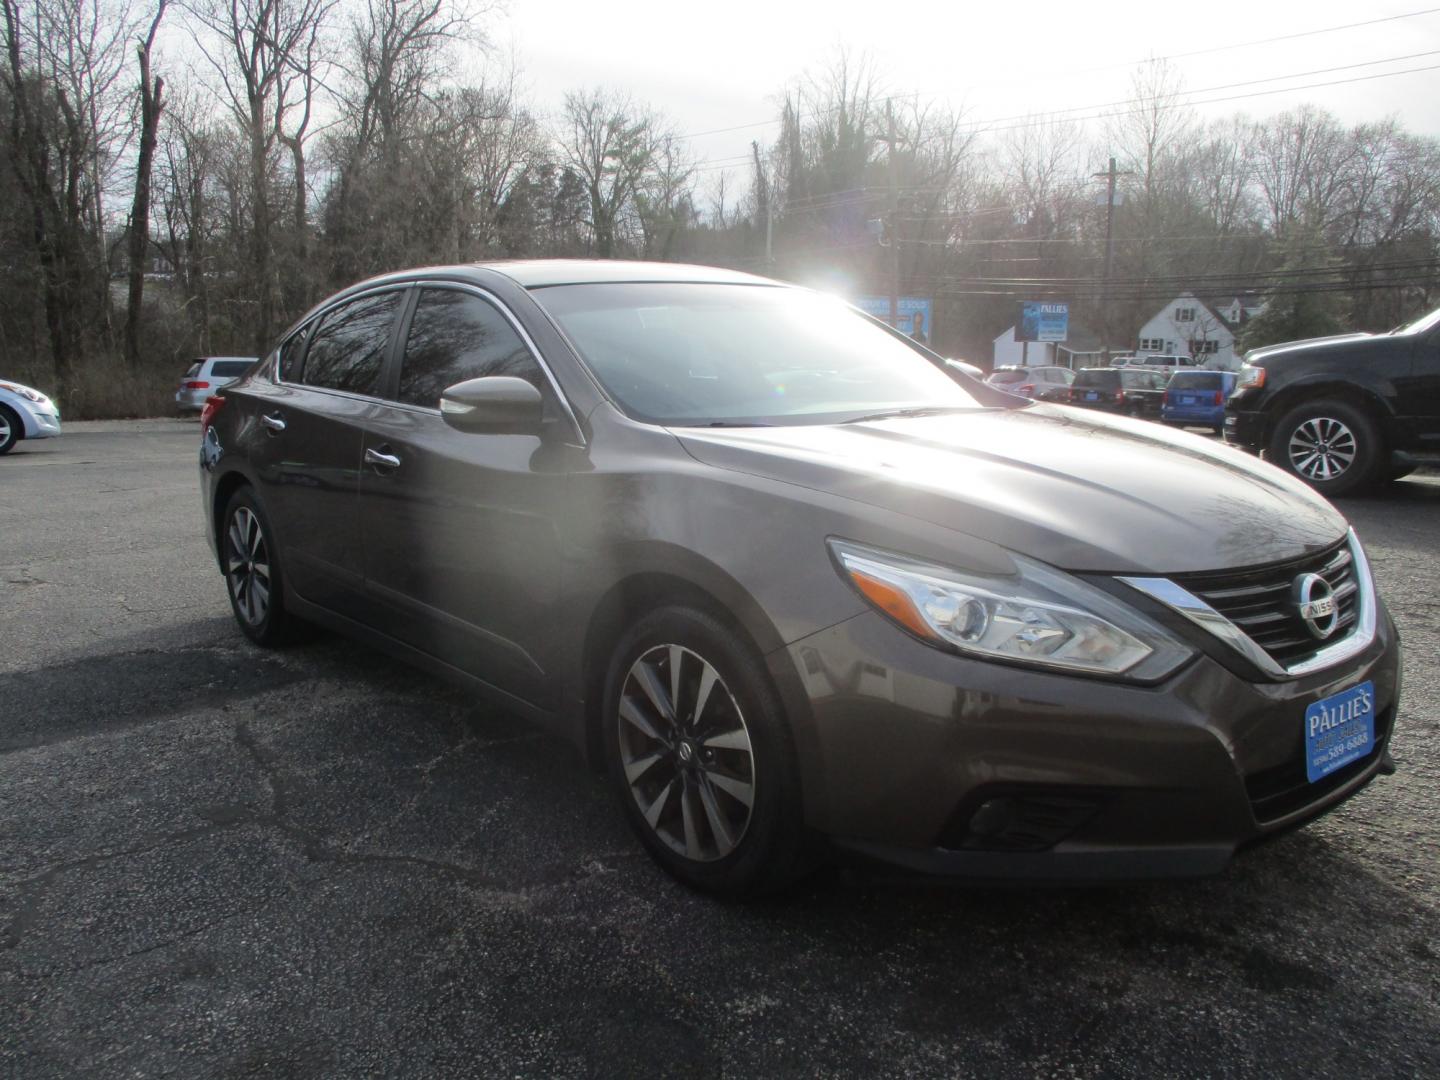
(1197, 398)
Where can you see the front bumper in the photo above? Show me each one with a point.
(903, 746)
(41, 423)
(1245, 429)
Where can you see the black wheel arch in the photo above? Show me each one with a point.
(1368, 400)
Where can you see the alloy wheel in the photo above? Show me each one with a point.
(247, 565)
(686, 753)
(1322, 448)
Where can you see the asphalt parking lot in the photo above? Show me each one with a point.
(216, 860)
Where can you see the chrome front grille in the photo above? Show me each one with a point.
(1257, 612)
(1261, 602)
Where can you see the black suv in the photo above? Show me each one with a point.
(1343, 413)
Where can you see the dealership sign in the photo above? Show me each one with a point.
(1043, 321)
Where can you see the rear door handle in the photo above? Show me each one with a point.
(382, 459)
(273, 421)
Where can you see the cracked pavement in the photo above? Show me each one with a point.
(216, 860)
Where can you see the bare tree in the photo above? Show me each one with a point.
(610, 142)
(151, 104)
(258, 48)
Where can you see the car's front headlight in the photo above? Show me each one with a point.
(1038, 615)
(23, 391)
(1251, 377)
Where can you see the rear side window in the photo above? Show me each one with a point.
(456, 336)
(1100, 377)
(349, 347)
(230, 369)
(1195, 380)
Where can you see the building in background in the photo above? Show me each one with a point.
(1187, 326)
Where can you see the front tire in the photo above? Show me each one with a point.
(10, 429)
(251, 566)
(1331, 445)
(699, 752)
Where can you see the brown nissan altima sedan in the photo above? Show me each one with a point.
(787, 578)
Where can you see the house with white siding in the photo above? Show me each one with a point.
(1189, 327)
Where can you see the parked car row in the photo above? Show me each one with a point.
(1189, 396)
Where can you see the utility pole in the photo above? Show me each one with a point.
(894, 218)
(1109, 175)
(763, 179)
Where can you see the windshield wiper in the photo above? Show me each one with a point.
(902, 414)
(738, 423)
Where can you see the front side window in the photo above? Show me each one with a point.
(455, 336)
(349, 346)
(700, 353)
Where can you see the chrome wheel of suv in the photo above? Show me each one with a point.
(1322, 448)
(1332, 445)
(686, 753)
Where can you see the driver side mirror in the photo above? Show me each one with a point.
(494, 404)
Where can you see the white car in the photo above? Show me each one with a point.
(25, 413)
(206, 376)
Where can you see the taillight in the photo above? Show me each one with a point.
(1119, 397)
(1219, 397)
(1028, 388)
(195, 384)
(213, 404)
(1166, 399)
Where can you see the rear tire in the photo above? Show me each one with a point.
(253, 575)
(10, 429)
(699, 752)
(1331, 445)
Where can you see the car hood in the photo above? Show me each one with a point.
(1081, 492)
(1307, 345)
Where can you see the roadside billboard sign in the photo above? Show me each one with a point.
(1043, 321)
(911, 312)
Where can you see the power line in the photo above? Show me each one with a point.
(1030, 120)
(1105, 67)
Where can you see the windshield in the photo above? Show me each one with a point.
(691, 354)
(1420, 325)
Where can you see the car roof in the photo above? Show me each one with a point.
(539, 273)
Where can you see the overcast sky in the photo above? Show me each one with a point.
(719, 65)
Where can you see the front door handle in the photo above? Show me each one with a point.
(382, 459)
(273, 421)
